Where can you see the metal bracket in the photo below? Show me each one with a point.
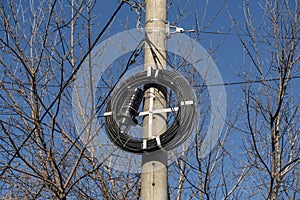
(177, 29)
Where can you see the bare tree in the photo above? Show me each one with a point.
(220, 174)
(43, 45)
(266, 165)
(271, 106)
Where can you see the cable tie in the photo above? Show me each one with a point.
(156, 73)
(190, 102)
(156, 19)
(107, 114)
(149, 70)
(164, 110)
(157, 31)
(144, 144)
(158, 141)
(151, 105)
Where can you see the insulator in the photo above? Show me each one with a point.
(130, 107)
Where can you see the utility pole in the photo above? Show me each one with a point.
(154, 184)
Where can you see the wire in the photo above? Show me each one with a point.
(210, 85)
(250, 81)
(246, 35)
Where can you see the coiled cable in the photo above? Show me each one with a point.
(176, 133)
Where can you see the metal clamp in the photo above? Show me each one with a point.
(177, 29)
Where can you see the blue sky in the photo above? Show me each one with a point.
(220, 37)
(221, 34)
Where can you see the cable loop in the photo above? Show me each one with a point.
(177, 132)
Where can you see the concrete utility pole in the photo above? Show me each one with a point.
(154, 165)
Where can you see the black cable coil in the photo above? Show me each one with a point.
(176, 134)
